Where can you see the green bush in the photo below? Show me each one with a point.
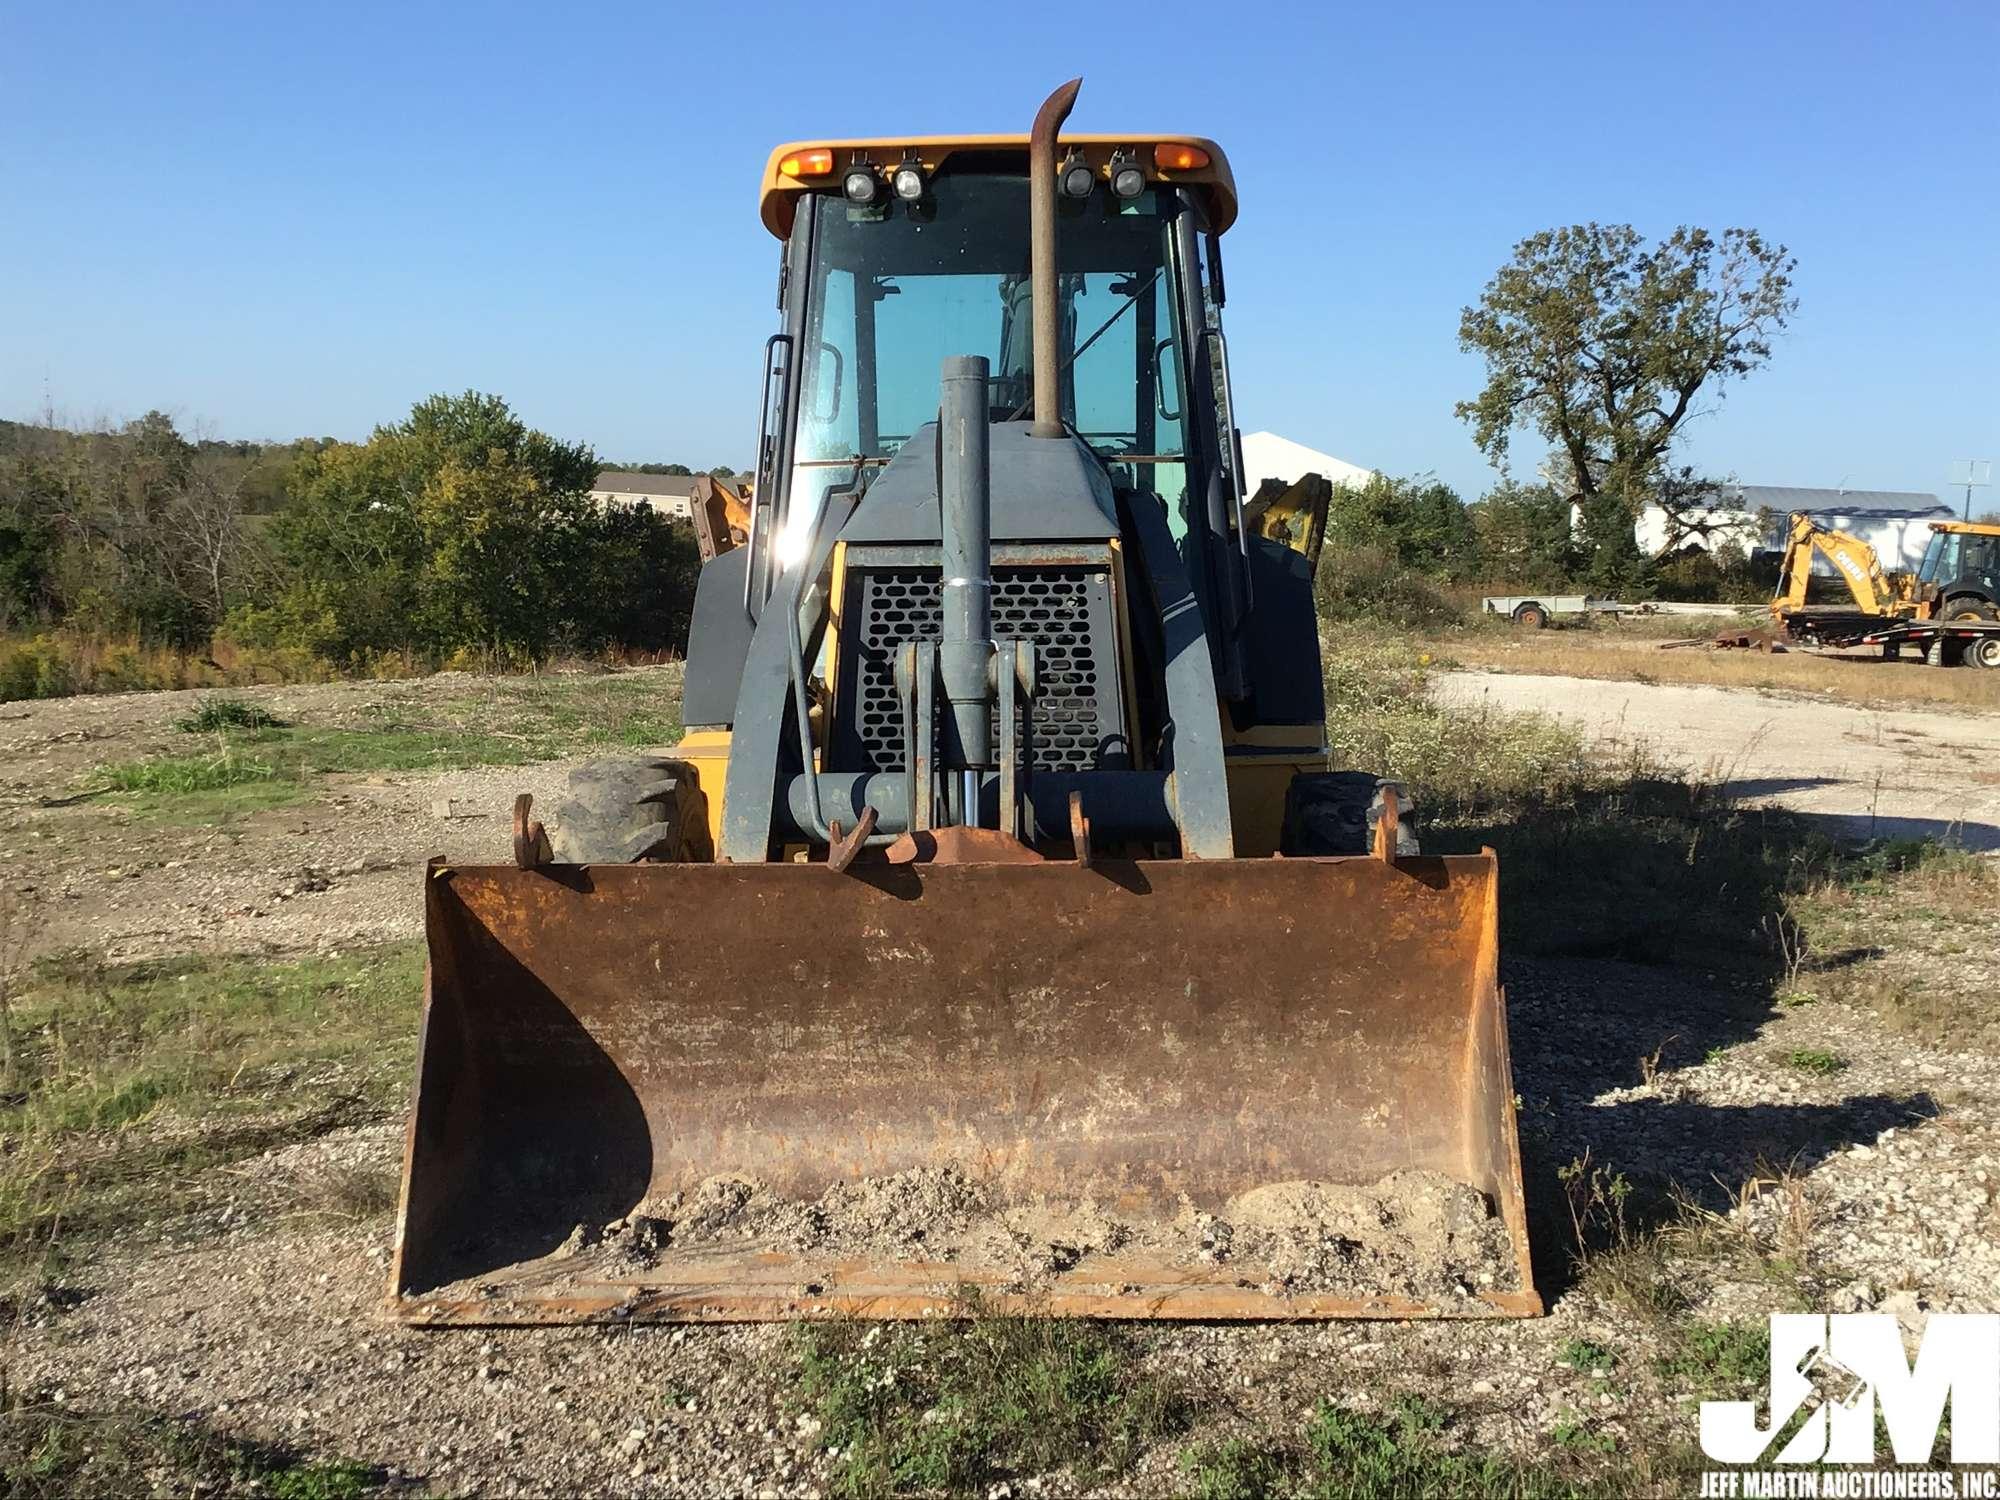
(457, 535)
(34, 668)
(1420, 522)
(1363, 582)
(213, 715)
(1525, 537)
(1724, 576)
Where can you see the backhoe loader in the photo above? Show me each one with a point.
(998, 926)
(1958, 580)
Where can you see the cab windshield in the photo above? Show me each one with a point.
(897, 289)
(1940, 558)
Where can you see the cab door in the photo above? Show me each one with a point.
(1977, 576)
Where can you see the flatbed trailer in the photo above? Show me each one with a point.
(1974, 643)
(1821, 626)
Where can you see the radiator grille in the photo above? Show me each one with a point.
(1065, 610)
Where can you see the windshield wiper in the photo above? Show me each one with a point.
(1102, 329)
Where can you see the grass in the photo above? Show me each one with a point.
(253, 769)
(229, 1057)
(1816, 1060)
(226, 1057)
(213, 715)
(56, 664)
(1574, 1433)
(1381, 715)
(1713, 1360)
(255, 761)
(1342, 1452)
(52, 1449)
(1598, 859)
(1908, 934)
(1586, 1354)
(1628, 860)
(956, 1408)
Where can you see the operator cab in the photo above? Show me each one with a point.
(1962, 564)
(900, 255)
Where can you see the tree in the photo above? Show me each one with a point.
(1603, 345)
(641, 572)
(460, 527)
(149, 527)
(1525, 534)
(1420, 522)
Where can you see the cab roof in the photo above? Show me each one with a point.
(779, 197)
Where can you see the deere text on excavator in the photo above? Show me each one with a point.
(999, 923)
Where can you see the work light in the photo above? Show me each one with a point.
(861, 184)
(1074, 178)
(1128, 179)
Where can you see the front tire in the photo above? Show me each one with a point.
(1336, 812)
(1984, 652)
(627, 812)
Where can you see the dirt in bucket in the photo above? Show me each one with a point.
(1413, 1233)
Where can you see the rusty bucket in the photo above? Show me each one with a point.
(621, 1066)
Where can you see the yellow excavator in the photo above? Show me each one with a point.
(1957, 580)
(999, 923)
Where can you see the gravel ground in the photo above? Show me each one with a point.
(260, 1312)
(342, 869)
(1866, 772)
(267, 1319)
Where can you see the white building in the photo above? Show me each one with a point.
(668, 494)
(1268, 456)
(1896, 523)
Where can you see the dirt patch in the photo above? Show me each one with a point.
(1851, 769)
(1634, 652)
(1413, 1233)
(339, 868)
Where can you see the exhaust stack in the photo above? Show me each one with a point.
(1042, 256)
(965, 504)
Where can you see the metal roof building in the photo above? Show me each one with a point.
(669, 494)
(1896, 523)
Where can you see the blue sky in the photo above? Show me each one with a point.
(283, 219)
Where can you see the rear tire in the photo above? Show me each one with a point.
(1984, 652)
(1531, 616)
(1336, 812)
(1969, 609)
(625, 812)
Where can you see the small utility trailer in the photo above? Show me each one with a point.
(1536, 610)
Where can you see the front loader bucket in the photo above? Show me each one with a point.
(1176, 1089)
